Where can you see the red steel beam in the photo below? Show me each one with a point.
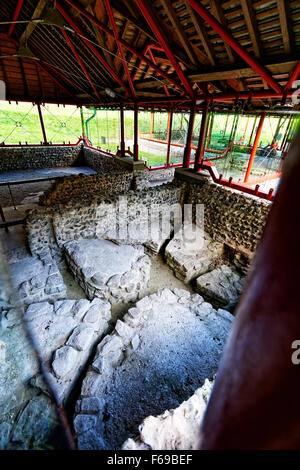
(154, 25)
(254, 148)
(169, 135)
(231, 41)
(293, 77)
(187, 149)
(116, 35)
(201, 143)
(80, 63)
(15, 16)
(124, 44)
(255, 400)
(90, 46)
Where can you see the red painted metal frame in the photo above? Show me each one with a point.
(187, 149)
(42, 123)
(116, 35)
(231, 41)
(15, 16)
(162, 41)
(80, 63)
(148, 50)
(293, 77)
(124, 44)
(76, 28)
(201, 142)
(254, 148)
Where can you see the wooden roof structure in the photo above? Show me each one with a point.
(104, 52)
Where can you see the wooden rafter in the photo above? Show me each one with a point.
(285, 27)
(31, 26)
(219, 15)
(249, 16)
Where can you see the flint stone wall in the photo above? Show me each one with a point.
(33, 157)
(100, 162)
(76, 188)
(230, 216)
(49, 228)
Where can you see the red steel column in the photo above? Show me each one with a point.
(255, 401)
(122, 131)
(201, 142)
(254, 148)
(42, 123)
(187, 148)
(169, 135)
(136, 130)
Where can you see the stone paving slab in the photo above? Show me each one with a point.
(187, 264)
(162, 351)
(177, 429)
(116, 273)
(222, 287)
(65, 333)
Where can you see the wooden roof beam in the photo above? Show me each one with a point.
(31, 26)
(250, 19)
(285, 29)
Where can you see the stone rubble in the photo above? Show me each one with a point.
(222, 287)
(158, 355)
(116, 273)
(177, 429)
(65, 334)
(187, 264)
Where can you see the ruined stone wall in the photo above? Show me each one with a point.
(230, 216)
(76, 188)
(29, 157)
(100, 162)
(49, 228)
(145, 178)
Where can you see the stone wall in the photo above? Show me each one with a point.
(145, 178)
(76, 188)
(49, 228)
(33, 157)
(230, 216)
(100, 162)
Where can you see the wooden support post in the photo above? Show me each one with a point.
(254, 148)
(169, 135)
(136, 131)
(82, 123)
(42, 123)
(202, 135)
(122, 131)
(187, 149)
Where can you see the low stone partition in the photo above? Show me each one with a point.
(114, 273)
(33, 157)
(120, 218)
(230, 216)
(162, 351)
(76, 188)
(100, 161)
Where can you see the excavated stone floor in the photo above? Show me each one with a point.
(162, 351)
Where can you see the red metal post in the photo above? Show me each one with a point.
(15, 16)
(254, 148)
(293, 77)
(255, 401)
(231, 41)
(201, 142)
(122, 131)
(169, 135)
(163, 42)
(211, 123)
(187, 148)
(136, 131)
(42, 123)
(96, 53)
(80, 63)
(141, 56)
(116, 35)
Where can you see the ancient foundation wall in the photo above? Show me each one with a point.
(33, 157)
(235, 218)
(83, 187)
(100, 162)
(51, 227)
